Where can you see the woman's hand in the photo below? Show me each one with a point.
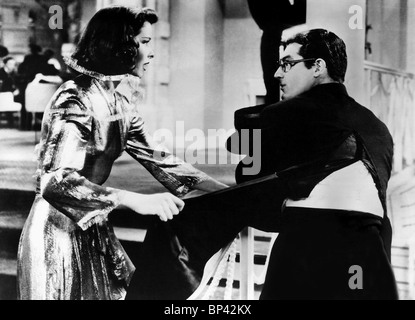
(165, 205)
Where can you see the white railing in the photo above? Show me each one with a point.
(256, 91)
(390, 95)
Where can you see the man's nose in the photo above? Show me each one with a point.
(151, 54)
(279, 73)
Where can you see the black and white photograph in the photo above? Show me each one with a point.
(207, 155)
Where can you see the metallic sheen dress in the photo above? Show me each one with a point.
(68, 249)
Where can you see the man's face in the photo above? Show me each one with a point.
(298, 79)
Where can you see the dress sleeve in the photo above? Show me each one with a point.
(176, 175)
(62, 156)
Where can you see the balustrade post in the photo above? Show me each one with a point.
(411, 269)
(246, 285)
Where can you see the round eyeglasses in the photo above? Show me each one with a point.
(286, 65)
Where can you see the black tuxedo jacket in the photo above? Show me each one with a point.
(316, 133)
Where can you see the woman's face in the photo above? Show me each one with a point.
(145, 52)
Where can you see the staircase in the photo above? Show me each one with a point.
(402, 214)
(14, 209)
(15, 206)
(261, 246)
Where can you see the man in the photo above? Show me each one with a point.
(332, 158)
(3, 53)
(335, 157)
(7, 76)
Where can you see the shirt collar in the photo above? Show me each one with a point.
(73, 63)
(129, 85)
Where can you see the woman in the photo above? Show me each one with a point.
(67, 248)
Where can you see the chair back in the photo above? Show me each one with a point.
(7, 103)
(38, 95)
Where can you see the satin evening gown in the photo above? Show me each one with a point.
(68, 249)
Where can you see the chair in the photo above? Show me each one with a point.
(7, 103)
(37, 96)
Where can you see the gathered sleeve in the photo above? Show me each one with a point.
(172, 172)
(62, 158)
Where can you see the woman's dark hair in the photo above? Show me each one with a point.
(323, 44)
(107, 45)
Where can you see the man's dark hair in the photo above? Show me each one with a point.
(3, 51)
(7, 59)
(323, 44)
(35, 48)
(107, 45)
(48, 53)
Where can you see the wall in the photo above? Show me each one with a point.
(392, 36)
(89, 7)
(387, 36)
(241, 59)
(17, 30)
(196, 66)
(14, 27)
(214, 62)
(214, 50)
(187, 68)
(410, 36)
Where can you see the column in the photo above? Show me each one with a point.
(196, 63)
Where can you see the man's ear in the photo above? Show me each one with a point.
(320, 67)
